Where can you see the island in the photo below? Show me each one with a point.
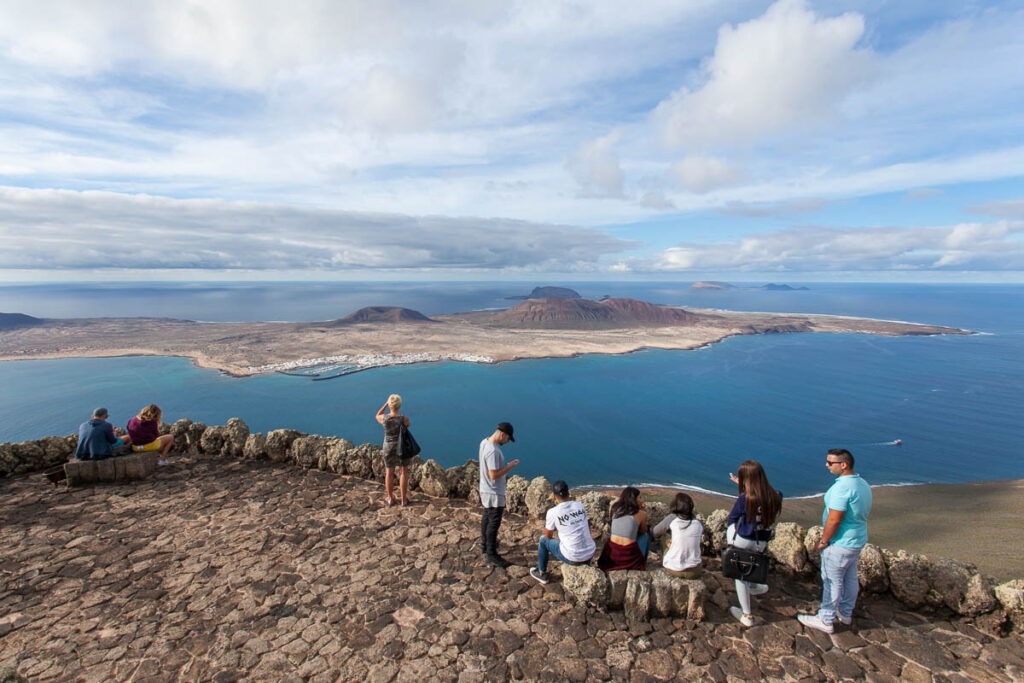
(548, 292)
(386, 335)
(770, 287)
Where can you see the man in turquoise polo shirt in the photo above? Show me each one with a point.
(847, 506)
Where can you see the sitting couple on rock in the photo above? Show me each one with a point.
(97, 438)
(629, 539)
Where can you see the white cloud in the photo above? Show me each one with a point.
(548, 113)
(392, 101)
(655, 199)
(789, 207)
(702, 174)
(815, 186)
(968, 235)
(89, 230)
(784, 69)
(1010, 208)
(595, 165)
(994, 246)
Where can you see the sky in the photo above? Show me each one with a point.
(477, 139)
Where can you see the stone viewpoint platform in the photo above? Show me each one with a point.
(219, 569)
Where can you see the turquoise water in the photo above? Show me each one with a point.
(650, 417)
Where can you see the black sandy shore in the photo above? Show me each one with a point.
(978, 523)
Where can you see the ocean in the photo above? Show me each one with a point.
(651, 417)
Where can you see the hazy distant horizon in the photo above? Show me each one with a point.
(272, 301)
(543, 279)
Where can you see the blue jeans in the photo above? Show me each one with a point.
(546, 547)
(549, 547)
(644, 541)
(840, 584)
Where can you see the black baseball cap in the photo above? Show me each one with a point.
(561, 489)
(508, 429)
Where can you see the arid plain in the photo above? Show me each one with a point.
(386, 335)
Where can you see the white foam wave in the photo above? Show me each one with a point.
(698, 489)
(652, 485)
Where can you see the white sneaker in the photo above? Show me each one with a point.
(845, 620)
(737, 613)
(812, 621)
(542, 577)
(163, 463)
(758, 588)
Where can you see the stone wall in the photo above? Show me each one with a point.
(915, 580)
(114, 469)
(33, 456)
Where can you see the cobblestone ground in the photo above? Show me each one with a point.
(219, 570)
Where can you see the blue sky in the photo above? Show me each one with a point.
(788, 140)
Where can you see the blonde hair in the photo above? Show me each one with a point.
(150, 412)
(394, 402)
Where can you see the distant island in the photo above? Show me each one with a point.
(10, 321)
(387, 335)
(381, 314)
(770, 287)
(548, 293)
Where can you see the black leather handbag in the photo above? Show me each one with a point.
(745, 565)
(407, 446)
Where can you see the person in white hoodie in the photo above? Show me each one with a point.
(682, 556)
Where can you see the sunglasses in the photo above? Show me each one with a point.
(833, 462)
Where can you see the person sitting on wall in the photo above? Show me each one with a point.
(144, 429)
(682, 551)
(628, 539)
(574, 544)
(96, 438)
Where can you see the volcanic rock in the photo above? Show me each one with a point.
(788, 547)
(11, 321)
(279, 443)
(871, 570)
(588, 314)
(587, 584)
(597, 505)
(433, 479)
(538, 497)
(381, 314)
(550, 293)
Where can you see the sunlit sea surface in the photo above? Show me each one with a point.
(657, 417)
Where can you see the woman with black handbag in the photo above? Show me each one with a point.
(395, 424)
(751, 525)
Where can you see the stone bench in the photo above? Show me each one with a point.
(117, 468)
(640, 594)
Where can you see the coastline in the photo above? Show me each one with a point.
(244, 349)
(975, 522)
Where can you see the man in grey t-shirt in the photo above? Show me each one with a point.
(493, 471)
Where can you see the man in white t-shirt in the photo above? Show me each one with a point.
(574, 544)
